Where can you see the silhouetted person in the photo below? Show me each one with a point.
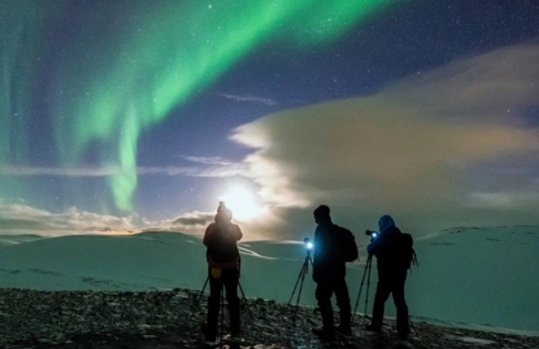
(223, 269)
(391, 276)
(329, 273)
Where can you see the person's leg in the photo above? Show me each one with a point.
(231, 279)
(343, 301)
(214, 301)
(323, 296)
(403, 326)
(383, 289)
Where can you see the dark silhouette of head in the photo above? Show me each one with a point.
(321, 214)
(223, 213)
(385, 222)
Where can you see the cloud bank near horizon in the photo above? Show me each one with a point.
(22, 219)
(457, 145)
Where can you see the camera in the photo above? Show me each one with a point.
(372, 234)
(308, 244)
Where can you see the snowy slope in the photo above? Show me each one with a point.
(479, 275)
(466, 275)
(147, 260)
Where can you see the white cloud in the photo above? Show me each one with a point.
(208, 160)
(17, 219)
(24, 219)
(212, 168)
(58, 171)
(249, 98)
(411, 148)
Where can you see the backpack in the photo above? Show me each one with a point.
(406, 256)
(222, 247)
(348, 245)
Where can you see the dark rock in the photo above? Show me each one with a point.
(171, 319)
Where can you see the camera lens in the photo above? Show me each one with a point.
(308, 244)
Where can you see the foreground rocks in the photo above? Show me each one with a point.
(172, 319)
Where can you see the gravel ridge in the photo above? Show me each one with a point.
(173, 318)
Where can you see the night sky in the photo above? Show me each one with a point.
(128, 115)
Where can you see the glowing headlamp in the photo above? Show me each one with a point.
(372, 234)
(308, 244)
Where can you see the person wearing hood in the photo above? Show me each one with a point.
(223, 258)
(391, 276)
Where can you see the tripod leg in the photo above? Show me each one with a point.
(222, 315)
(368, 285)
(294, 290)
(360, 289)
(412, 324)
(245, 301)
(304, 272)
(203, 288)
(197, 300)
(301, 273)
(301, 279)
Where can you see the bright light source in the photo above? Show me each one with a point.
(243, 203)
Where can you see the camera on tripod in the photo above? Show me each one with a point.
(373, 234)
(308, 244)
(304, 270)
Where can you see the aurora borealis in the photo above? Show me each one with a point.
(126, 107)
(121, 67)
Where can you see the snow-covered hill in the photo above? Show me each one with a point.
(479, 276)
(471, 276)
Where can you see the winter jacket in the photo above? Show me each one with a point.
(220, 239)
(385, 246)
(327, 255)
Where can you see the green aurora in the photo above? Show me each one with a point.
(131, 62)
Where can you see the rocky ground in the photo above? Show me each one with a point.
(172, 319)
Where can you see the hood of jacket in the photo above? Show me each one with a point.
(385, 223)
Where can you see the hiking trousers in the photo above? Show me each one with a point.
(324, 290)
(391, 283)
(229, 279)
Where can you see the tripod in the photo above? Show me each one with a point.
(367, 270)
(197, 302)
(222, 302)
(301, 277)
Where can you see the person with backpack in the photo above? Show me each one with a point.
(391, 253)
(223, 258)
(333, 247)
